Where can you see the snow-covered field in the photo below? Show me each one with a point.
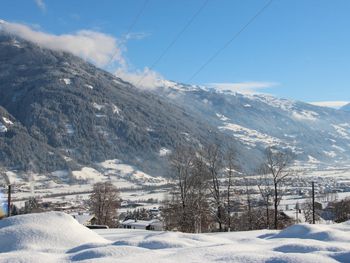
(137, 187)
(57, 237)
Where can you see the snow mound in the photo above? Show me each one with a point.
(346, 223)
(316, 232)
(306, 248)
(104, 253)
(57, 237)
(45, 232)
(170, 240)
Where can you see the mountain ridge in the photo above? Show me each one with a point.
(259, 121)
(58, 111)
(84, 114)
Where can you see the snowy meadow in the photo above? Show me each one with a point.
(57, 237)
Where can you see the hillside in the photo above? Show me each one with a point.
(59, 112)
(346, 107)
(313, 134)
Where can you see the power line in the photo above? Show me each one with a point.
(235, 36)
(131, 26)
(172, 43)
(137, 16)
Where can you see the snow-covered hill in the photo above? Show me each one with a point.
(311, 132)
(71, 115)
(58, 112)
(57, 237)
(346, 107)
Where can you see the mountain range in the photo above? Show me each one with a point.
(58, 111)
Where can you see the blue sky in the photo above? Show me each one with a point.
(295, 49)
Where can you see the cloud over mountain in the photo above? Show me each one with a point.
(96, 47)
(249, 87)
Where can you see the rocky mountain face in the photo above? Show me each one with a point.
(60, 112)
(313, 134)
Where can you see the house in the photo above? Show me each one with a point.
(85, 219)
(153, 224)
(154, 211)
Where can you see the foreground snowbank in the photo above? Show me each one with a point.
(34, 236)
(57, 237)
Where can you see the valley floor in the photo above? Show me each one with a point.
(57, 237)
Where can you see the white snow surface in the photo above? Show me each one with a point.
(248, 136)
(66, 81)
(131, 173)
(342, 131)
(69, 128)
(42, 237)
(222, 117)
(89, 86)
(7, 121)
(98, 106)
(57, 237)
(89, 174)
(115, 109)
(305, 115)
(164, 151)
(3, 128)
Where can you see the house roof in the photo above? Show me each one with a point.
(83, 219)
(139, 223)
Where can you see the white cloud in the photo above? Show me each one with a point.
(101, 49)
(41, 5)
(94, 46)
(250, 87)
(145, 79)
(330, 104)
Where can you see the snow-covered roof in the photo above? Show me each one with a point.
(140, 223)
(83, 219)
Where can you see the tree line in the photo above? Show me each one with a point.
(205, 197)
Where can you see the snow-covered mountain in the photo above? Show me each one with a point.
(59, 112)
(346, 107)
(315, 134)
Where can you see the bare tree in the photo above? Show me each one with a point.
(188, 210)
(231, 168)
(32, 206)
(4, 175)
(199, 196)
(341, 210)
(266, 192)
(307, 211)
(214, 159)
(276, 166)
(104, 202)
(182, 162)
(249, 205)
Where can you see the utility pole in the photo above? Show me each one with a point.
(9, 201)
(297, 212)
(313, 202)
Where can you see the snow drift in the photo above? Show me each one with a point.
(45, 232)
(57, 237)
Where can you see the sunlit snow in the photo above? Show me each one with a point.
(58, 237)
